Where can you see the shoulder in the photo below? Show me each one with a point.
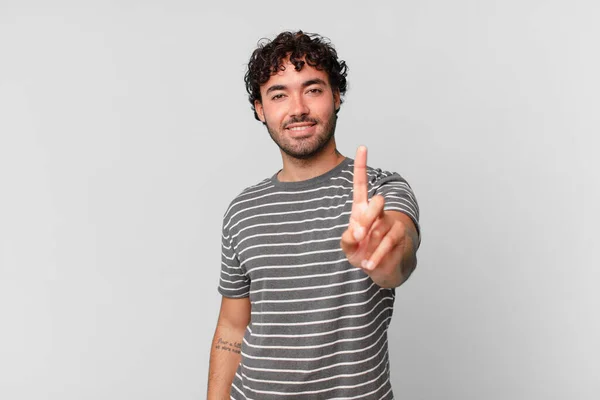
(398, 194)
(246, 198)
(378, 176)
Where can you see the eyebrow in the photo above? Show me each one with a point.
(310, 82)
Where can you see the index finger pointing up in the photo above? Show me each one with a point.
(360, 176)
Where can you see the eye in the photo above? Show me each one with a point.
(315, 91)
(278, 96)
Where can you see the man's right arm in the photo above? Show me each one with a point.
(225, 355)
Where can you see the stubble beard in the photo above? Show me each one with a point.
(305, 148)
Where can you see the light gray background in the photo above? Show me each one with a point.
(125, 131)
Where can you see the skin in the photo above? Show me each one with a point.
(234, 316)
(306, 95)
(381, 243)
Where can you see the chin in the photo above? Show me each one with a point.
(307, 152)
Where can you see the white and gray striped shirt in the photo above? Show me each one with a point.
(318, 326)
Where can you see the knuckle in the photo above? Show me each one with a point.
(374, 211)
(344, 240)
(378, 200)
(400, 228)
(376, 234)
(391, 239)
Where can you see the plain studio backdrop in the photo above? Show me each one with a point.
(125, 132)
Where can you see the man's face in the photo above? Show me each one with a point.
(298, 108)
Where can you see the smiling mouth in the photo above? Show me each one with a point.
(300, 128)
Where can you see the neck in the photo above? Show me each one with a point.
(296, 170)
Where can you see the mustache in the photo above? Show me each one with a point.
(297, 120)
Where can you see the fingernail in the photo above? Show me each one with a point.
(359, 233)
(367, 264)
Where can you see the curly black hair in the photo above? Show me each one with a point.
(268, 58)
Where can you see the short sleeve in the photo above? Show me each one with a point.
(233, 281)
(398, 195)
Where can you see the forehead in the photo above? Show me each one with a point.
(290, 76)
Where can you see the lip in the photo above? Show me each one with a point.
(300, 125)
(301, 130)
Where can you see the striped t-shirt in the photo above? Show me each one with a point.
(318, 326)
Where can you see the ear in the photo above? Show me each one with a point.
(336, 99)
(259, 110)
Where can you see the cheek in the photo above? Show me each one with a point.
(325, 107)
(273, 114)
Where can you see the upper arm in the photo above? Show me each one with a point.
(233, 282)
(234, 313)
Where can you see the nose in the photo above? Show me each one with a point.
(298, 107)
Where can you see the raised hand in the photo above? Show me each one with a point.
(375, 240)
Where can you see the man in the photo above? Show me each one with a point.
(311, 255)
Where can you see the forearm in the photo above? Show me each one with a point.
(406, 267)
(224, 360)
(398, 274)
(401, 263)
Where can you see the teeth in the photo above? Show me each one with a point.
(299, 128)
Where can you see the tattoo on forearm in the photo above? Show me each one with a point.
(224, 345)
